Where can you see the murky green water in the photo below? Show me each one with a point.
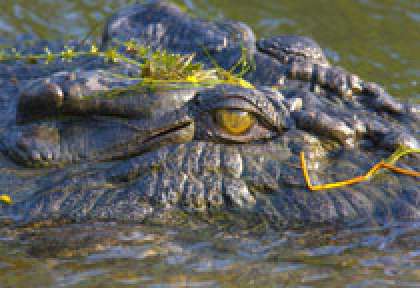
(378, 40)
(103, 255)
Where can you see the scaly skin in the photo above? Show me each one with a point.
(135, 156)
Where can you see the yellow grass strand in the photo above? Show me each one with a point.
(381, 165)
(5, 199)
(401, 170)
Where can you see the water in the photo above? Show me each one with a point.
(378, 40)
(104, 255)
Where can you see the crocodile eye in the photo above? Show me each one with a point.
(234, 121)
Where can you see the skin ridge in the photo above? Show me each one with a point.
(136, 158)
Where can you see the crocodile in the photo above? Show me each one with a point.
(68, 154)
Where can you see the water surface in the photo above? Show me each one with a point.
(377, 39)
(107, 255)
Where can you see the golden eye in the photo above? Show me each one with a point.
(233, 121)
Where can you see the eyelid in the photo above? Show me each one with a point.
(209, 104)
(242, 105)
(255, 132)
(233, 103)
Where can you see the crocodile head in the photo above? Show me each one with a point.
(211, 149)
(223, 148)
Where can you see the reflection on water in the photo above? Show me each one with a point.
(144, 256)
(374, 38)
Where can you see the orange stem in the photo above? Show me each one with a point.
(353, 180)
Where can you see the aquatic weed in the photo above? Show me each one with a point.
(157, 67)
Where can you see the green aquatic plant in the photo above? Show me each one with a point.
(230, 76)
(3, 55)
(157, 67)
